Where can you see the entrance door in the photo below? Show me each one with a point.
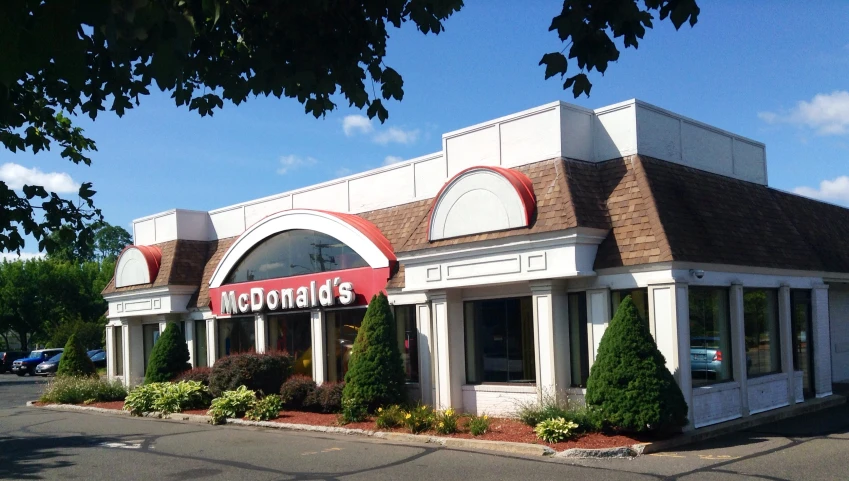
(803, 355)
(292, 332)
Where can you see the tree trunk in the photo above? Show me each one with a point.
(22, 335)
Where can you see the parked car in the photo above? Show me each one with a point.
(7, 358)
(99, 358)
(706, 357)
(27, 365)
(51, 365)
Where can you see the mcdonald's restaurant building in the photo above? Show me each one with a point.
(504, 256)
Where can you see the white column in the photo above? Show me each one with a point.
(110, 353)
(450, 355)
(785, 329)
(822, 340)
(551, 337)
(190, 340)
(598, 316)
(211, 341)
(260, 332)
(425, 345)
(669, 322)
(318, 346)
(738, 345)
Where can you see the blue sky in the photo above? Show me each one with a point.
(779, 76)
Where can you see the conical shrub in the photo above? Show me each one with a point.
(169, 357)
(630, 387)
(74, 360)
(375, 374)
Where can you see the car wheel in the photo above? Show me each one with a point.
(21, 373)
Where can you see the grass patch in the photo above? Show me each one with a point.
(79, 390)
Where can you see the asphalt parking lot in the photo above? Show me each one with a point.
(43, 444)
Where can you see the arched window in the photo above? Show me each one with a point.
(294, 253)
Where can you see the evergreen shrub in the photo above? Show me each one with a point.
(375, 371)
(74, 360)
(629, 387)
(169, 357)
(263, 373)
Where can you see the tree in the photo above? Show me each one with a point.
(586, 25)
(110, 240)
(89, 334)
(169, 357)
(629, 385)
(75, 360)
(70, 57)
(376, 371)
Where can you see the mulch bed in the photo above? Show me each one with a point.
(501, 429)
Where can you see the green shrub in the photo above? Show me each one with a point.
(200, 374)
(78, 390)
(296, 390)
(167, 397)
(555, 430)
(326, 398)
(629, 385)
(263, 373)
(446, 422)
(169, 357)
(549, 407)
(89, 334)
(419, 419)
(478, 425)
(353, 411)
(389, 417)
(375, 371)
(231, 404)
(75, 361)
(266, 408)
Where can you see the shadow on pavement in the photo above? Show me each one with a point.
(27, 457)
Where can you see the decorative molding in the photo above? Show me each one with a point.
(483, 268)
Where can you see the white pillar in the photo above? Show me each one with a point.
(318, 345)
(738, 345)
(598, 316)
(260, 332)
(822, 340)
(110, 353)
(211, 341)
(425, 345)
(551, 337)
(785, 329)
(190, 338)
(669, 321)
(449, 349)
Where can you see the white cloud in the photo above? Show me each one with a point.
(394, 134)
(392, 159)
(343, 171)
(16, 176)
(292, 162)
(357, 124)
(13, 256)
(828, 114)
(836, 190)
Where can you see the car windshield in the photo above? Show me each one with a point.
(93, 352)
(35, 354)
(99, 356)
(55, 358)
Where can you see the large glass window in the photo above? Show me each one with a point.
(294, 253)
(237, 334)
(118, 349)
(800, 318)
(292, 333)
(579, 353)
(342, 328)
(151, 335)
(640, 298)
(760, 318)
(201, 359)
(710, 336)
(405, 330)
(500, 341)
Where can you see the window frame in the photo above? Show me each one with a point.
(414, 349)
(467, 380)
(583, 340)
(726, 291)
(772, 342)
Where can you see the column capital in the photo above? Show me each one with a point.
(547, 286)
(823, 287)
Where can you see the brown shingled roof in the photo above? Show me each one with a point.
(181, 265)
(217, 249)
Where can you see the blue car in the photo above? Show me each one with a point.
(27, 365)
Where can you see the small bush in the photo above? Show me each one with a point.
(79, 390)
(167, 397)
(266, 408)
(169, 357)
(478, 425)
(326, 398)
(389, 417)
(199, 374)
(549, 407)
(419, 419)
(296, 390)
(353, 411)
(555, 430)
(446, 421)
(231, 404)
(75, 361)
(263, 373)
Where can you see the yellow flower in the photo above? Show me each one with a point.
(441, 424)
(380, 410)
(485, 416)
(407, 416)
(449, 412)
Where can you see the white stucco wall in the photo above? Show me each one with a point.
(838, 298)
(715, 404)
